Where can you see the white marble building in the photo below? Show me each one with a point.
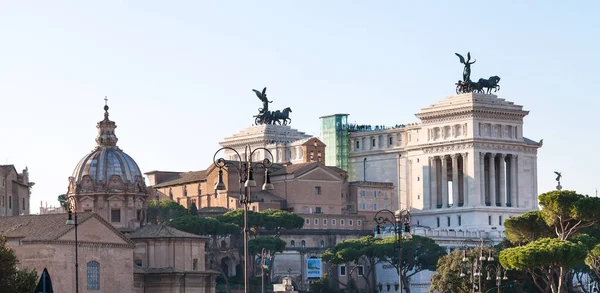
(465, 166)
(284, 142)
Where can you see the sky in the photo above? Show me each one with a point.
(179, 74)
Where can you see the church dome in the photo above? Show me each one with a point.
(107, 159)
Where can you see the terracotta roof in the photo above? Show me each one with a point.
(161, 231)
(46, 227)
(38, 227)
(184, 177)
(301, 168)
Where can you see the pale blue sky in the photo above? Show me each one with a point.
(173, 69)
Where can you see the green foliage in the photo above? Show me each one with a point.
(418, 253)
(526, 228)
(447, 274)
(274, 220)
(324, 285)
(569, 212)
(351, 251)
(62, 199)
(593, 259)
(163, 211)
(203, 226)
(543, 253)
(13, 280)
(272, 244)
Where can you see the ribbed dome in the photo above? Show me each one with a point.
(107, 159)
(104, 162)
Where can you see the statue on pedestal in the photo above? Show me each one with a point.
(267, 117)
(482, 86)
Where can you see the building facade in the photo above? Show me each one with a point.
(105, 256)
(15, 191)
(109, 182)
(466, 165)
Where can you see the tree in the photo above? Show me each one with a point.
(162, 211)
(449, 268)
(62, 199)
(568, 212)
(526, 228)
(272, 220)
(193, 210)
(547, 260)
(208, 227)
(361, 251)
(554, 247)
(272, 244)
(418, 254)
(13, 280)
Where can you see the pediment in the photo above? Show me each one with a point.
(116, 197)
(320, 174)
(93, 230)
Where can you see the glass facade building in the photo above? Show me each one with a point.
(334, 134)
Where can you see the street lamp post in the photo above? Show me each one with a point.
(246, 175)
(265, 255)
(72, 206)
(401, 223)
(496, 269)
(477, 263)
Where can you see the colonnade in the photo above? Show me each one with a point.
(496, 174)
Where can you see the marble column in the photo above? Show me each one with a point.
(465, 186)
(482, 177)
(444, 181)
(501, 198)
(513, 181)
(455, 183)
(492, 182)
(433, 196)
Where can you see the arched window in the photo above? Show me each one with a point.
(322, 244)
(292, 243)
(93, 275)
(303, 243)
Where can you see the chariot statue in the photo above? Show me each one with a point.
(466, 85)
(265, 116)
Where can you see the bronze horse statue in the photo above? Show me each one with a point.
(489, 84)
(281, 117)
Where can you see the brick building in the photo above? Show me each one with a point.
(15, 191)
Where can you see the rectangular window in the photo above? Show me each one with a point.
(490, 220)
(139, 215)
(363, 193)
(23, 200)
(195, 264)
(350, 222)
(448, 221)
(357, 144)
(333, 222)
(374, 206)
(360, 270)
(363, 206)
(391, 140)
(438, 222)
(373, 142)
(10, 202)
(500, 220)
(324, 221)
(385, 206)
(115, 215)
(342, 270)
(459, 220)
(317, 210)
(317, 190)
(374, 194)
